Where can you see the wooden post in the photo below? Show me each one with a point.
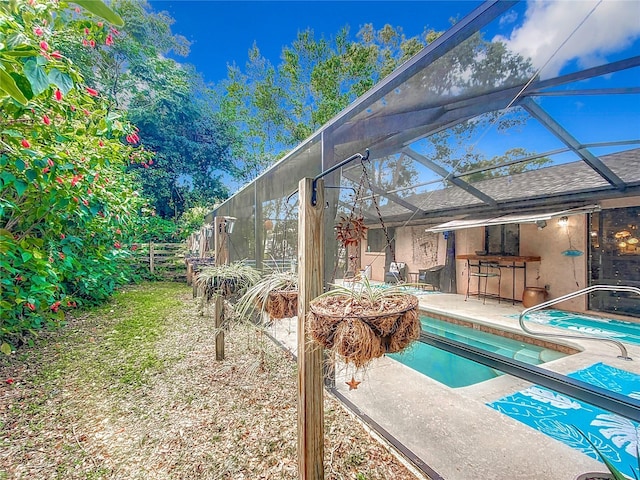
(310, 364)
(151, 267)
(221, 257)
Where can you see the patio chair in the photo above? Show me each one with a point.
(397, 273)
(430, 277)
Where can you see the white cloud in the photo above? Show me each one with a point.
(613, 26)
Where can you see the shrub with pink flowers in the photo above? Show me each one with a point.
(67, 206)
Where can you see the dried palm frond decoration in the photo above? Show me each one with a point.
(226, 280)
(276, 293)
(350, 230)
(363, 322)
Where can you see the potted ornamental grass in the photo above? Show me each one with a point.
(276, 293)
(361, 322)
(226, 280)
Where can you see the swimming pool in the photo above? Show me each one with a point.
(587, 325)
(455, 371)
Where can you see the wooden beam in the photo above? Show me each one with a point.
(221, 258)
(310, 358)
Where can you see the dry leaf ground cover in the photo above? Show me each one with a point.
(132, 391)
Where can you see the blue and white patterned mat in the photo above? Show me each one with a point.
(555, 415)
(584, 324)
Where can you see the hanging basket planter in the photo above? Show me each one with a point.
(282, 304)
(359, 328)
(226, 280)
(276, 293)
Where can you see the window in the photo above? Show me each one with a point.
(502, 239)
(377, 240)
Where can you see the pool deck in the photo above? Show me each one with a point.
(452, 430)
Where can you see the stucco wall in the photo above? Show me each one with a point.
(413, 246)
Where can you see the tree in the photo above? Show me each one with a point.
(170, 105)
(277, 108)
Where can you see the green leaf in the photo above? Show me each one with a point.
(20, 165)
(12, 133)
(8, 85)
(31, 175)
(20, 186)
(26, 256)
(61, 80)
(5, 348)
(7, 178)
(37, 77)
(100, 9)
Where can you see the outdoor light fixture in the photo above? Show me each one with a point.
(563, 221)
(227, 224)
(541, 224)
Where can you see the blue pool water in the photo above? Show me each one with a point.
(455, 371)
(586, 325)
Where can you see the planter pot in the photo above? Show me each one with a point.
(359, 333)
(594, 476)
(533, 296)
(282, 304)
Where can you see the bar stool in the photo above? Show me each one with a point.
(485, 270)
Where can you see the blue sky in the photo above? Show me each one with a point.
(222, 32)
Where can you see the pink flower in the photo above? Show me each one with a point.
(86, 31)
(109, 40)
(44, 45)
(117, 245)
(92, 43)
(45, 170)
(92, 92)
(62, 236)
(50, 162)
(46, 119)
(31, 307)
(150, 162)
(58, 94)
(59, 180)
(116, 32)
(85, 202)
(75, 180)
(100, 24)
(55, 306)
(38, 31)
(61, 255)
(25, 143)
(57, 55)
(84, 42)
(10, 381)
(101, 143)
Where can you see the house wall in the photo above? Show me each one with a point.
(413, 246)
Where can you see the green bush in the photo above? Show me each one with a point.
(67, 206)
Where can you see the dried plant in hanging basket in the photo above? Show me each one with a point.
(361, 324)
(350, 231)
(282, 304)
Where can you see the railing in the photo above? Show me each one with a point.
(613, 288)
